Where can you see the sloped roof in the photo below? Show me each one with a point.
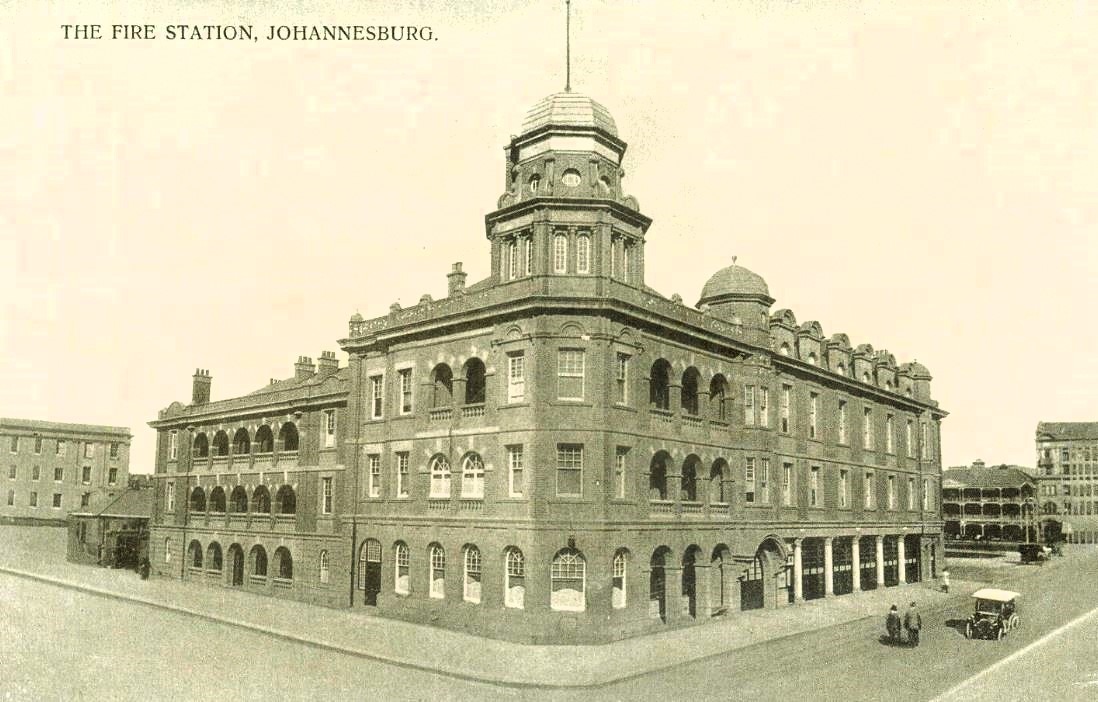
(133, 502)
(291, 383)
(988, 477)
(1069, 430)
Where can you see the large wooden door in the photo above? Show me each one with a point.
(751, 590)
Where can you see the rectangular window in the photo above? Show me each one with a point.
(57, 500)
(926, 494)
(621, 379)
(911, 494)
(329, 428)
(560, 252)
(783, 418)
(373, 480)
(173, 446)
(890, 431)
(528, 254)
(749, 481)
(842, 421)
(764, 480)
(583, 254)
(114, 449)
(13, 472)
(764, 407)
(33, 499)
(570, 374)
(326, 495)
(621, 464)
(11, 498)
(514, 471)
(569, 470)
(37, 445)
(924, 449)
(844, 489)
(814, 486)
(405, 390)
(891, 486)
(516, 377)
(402, 474)
(867, 428)
(749, 405)
(112, 476)
(59, 448)
(867, 497)
(89, 449)
(512, 259)
(170, 497)
(909, 440)
(813, 407)
(787, 484)
(36, 473)
(86, 475)
(14, 445)
(377, 394)
(85, 500)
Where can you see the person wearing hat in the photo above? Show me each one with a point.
(892, 625)
(912, 623)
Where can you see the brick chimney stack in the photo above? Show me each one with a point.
(304, 368)
(456, 280)
(200, 388)
(327, 363)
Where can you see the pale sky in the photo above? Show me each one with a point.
(918, 175)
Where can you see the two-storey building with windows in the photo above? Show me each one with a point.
(989, 503)
(249, 490)
(54, 468)
(1067, 480)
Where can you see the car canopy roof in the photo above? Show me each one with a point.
(994, 595)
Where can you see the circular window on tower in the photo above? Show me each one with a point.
(571, 178)
(535, 183)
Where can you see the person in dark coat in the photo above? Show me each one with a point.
(892, 625)
(912, 623)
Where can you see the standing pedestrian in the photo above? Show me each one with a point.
(945, 581)
(892, 625)
(912, 623)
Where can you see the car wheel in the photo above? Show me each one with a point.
(1014, 621)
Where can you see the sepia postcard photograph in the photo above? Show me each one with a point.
(548, 350)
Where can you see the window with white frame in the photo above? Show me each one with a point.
(909, 439)
(787, 484)
(764, 406)
(618, 593)
(86, 475)
(749, 405)
(924, 451)
(329, 428)
(814, 493)
(324, 567)
(112, 475)
(514, 580)
(167, 550)
(570, 370)
(528, 255)
(325, 495)
(59, 448)
(891, 491)
(568, 581)
(569, 470)
(621, 465)
(749, 481)
(890, 431)
(910, 494)
(512, 259)
(842, 421)
(813, 408)
(472, 476)
(405, 375)
(440, 477)
(621, 379)
(926, 494)
(471, 579)
(85, 499)
(516, 377)
(867, 428)
(627, 261)
(560, 253)
(784, 409)
(583, 254)
(402, 473)
(171, 496)
(401, 584)
(514, 471)
(844, 489)
(867, 497)
(89, 449)
(438, 572)
(173, 446)
(114, 449)
(377, 396)
(764, 480)
(57, 500)
(373, 475)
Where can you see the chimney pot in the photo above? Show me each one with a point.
(200, 387)
(455, 279)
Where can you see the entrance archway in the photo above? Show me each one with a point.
(720, 570)
(690, 581)
(236, 565)
(759, 583)
(369, 563)
(657, 584)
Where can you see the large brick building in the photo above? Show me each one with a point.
(558, 453)
(1067, 480)
(55, 468)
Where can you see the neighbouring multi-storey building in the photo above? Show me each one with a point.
(1067, 480)
(55, 468)
(558, 453)
(993, 503)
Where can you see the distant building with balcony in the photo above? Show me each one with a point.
(1067, 480)
(54, 468)
(558, 453)
(992, 503)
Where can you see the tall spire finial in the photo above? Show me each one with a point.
(567, 46)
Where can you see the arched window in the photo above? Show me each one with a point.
(716, 482)
(568, 581)
(560, 253)
(284, 563)
(286, 500)
(201, 446)
(198, 500)
(241, 443)
(512, 259)
(865, 377)
(659, 384)
(442, 383)
(403, 561)
(217, 499)
(583, 254)
(474, 381)
(784, 350)
(325, 570)
(690, 391)
(440, 477)
(261, 500)
(840, 368)
(811, 358)
(288, 436)
(618, 582)
(238, 500)
(259, 561)
(690, 479)
(264, 440)
(213, 557)
(472, 476)
(437, 574)
(471, 579)
(514, 580)
(718, 389)
(196, 554)
(221, 444)
(657, 477)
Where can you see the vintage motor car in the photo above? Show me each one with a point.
(1033, 553)
(995, 616)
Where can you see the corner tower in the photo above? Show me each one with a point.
(563, 212)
